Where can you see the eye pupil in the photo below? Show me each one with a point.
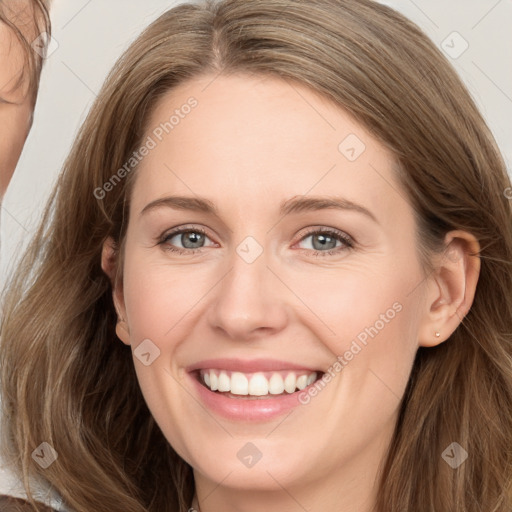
(323, 241)
(192, 236)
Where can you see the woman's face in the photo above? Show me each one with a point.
(16, 104)
(298, 257)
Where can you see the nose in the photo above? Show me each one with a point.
(250, 301)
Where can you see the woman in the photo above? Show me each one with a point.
(274, 275)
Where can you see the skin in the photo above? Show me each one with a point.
(16, 103)
(248, 145)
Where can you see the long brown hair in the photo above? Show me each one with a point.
(68, 381)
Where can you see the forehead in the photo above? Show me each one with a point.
(265, 137)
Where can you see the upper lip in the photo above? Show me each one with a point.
(248, 365)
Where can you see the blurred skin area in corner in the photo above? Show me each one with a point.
(17, 92)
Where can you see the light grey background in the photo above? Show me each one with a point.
(91, 34)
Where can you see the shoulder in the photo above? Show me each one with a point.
(11, 504)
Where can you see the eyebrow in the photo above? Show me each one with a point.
(294, 205)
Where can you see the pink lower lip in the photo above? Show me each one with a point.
(238, 409)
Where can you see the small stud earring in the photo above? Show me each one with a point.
(437, 335)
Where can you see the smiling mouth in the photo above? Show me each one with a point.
(258, 385)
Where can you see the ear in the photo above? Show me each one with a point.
(450, 288)
(109, 264)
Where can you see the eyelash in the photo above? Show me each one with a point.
(338, 235)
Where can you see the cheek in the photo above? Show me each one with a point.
(157, 299)
(161, 300)
(359, 303)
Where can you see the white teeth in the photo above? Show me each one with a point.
(239, 384)
(256, 384)
(214, 381)
(276, 384)
(224, 382)
(290, 382)
(302, 381)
